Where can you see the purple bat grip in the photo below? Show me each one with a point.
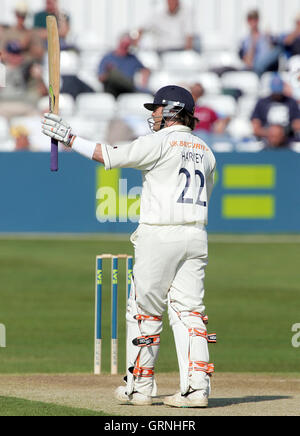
(54, 155)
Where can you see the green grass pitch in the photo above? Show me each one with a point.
(11, 406)
(47, 305)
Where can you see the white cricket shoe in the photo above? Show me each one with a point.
(194, 399)
(136, 398)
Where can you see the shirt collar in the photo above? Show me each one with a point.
(176, 128)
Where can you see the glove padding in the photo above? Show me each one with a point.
(55, 127)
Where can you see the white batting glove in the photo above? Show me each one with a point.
(55, 127)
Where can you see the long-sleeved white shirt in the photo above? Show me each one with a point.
(178, 174)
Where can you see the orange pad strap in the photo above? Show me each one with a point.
(140, 317)
(212, 337)
(209, 368)
(143, 371)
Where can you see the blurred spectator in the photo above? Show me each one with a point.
(209, 120)
(293, 78)
(51, 8)
(172, 29)
(37, 49)
(72, 85)
(2, 73)
(13, 59)
(276, 109)
(40, 23)
(67, 39)
(118, 68)
(33, 71)
(18, 32)
(2, 30)
(21, 137)
(34, 80)
(276, 138)
(257, 49)
(291, 41)
(17, 97)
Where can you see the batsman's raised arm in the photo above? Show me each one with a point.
(140, 154)
(55, 127)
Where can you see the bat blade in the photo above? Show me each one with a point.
(54, 80)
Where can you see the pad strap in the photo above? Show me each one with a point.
(146, 341)
(200, 315)
(140, 317)
(212, 337)
(143, 371)
(196, 314)
(201, 366)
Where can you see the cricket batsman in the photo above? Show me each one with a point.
(170, 244)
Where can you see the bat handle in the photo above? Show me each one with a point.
(54, 155)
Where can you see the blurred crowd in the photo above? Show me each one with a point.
(246, 99)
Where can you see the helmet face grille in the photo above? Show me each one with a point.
(172, 108)
(170, 112)
(174, 103)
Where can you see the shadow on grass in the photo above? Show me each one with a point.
(223, 402)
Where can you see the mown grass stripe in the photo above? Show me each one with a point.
(11, 406)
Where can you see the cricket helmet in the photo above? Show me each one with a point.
(175, 100)
(173, 96)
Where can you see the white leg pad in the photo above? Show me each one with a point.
(190, 349)
(141, 359)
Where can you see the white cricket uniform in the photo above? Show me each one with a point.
(178, 171)
(171, 240)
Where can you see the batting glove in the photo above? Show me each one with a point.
(56, 128)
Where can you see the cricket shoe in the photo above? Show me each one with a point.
(194, 399)
(136, 398)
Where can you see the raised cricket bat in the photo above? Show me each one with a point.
(54, 80)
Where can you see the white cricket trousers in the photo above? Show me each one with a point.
(169, 271)
(170, 259)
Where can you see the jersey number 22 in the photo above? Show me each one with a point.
(182, 198)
